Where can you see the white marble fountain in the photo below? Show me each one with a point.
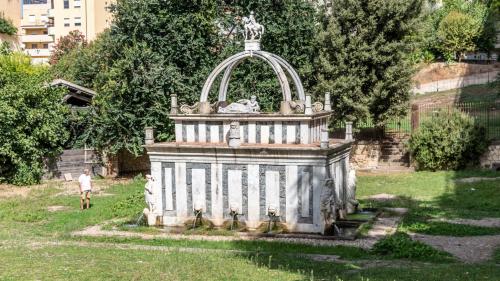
(232, 159)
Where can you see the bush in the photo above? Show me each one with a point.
(447, 141)
(6, 26)
(31, 120)
(400, 246)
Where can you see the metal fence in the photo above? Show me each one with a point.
(484, 114)
(456, 83)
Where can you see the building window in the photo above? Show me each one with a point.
(34, 46)
(66, 22)
(30, 2)
(45, 46)
(78, 21)
(32, 18)
(66, 4)
(77, 4)
(45, 32)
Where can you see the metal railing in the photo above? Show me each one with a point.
(485, 114)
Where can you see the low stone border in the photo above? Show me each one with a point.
(382, 227)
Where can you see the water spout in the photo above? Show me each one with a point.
(141, 217)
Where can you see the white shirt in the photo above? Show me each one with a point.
(84, 181)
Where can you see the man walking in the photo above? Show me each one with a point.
(85, 187)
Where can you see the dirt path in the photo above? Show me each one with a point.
(484, 222)
(476, 179)
(67, 188)
(471, 249)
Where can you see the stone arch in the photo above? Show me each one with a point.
(276, 62)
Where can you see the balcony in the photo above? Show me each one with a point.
(37, 52)
(37, 38)
(26, 24)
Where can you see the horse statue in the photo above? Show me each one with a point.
(253, 30)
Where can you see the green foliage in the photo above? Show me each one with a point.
(447, 141)
(6, 26)
(400, 246)
(132, 204)
(478, 18)
(363, 59)
(156, 48)
(65, 44)
(31, 120)
(457, 33)
(5, 48)
(421, 221)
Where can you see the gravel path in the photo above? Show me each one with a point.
(484, 222)
(476, 179)
(381, 228)
(472, 249)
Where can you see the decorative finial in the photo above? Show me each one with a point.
(253, 33)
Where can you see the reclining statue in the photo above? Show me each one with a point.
(242, 106)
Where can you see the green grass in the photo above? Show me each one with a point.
(435, 195)
(474, 93)
(496, 256)
(24, 221)
(400, 246)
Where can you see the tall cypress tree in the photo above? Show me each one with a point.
(363, 57)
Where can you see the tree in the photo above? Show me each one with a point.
(31, 120)
(457, 33)
(156, 48)
(364, 57)
(6, 26)
(477, 12)
(67, 43)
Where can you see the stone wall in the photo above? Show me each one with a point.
(388, 153)
(366, 154)
(128, 164)
(491, 158)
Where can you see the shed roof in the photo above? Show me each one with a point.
(77, 95)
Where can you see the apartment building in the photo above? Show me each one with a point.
(41, 23)
(11, 10)
(90, 17)
(34, 30)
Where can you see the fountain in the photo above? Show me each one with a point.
(234, 213)
(198, 215)
(273, 215)
(247, 166)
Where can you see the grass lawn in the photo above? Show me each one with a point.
(36, 244)
(475, 93)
